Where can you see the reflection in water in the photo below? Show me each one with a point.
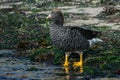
(69, 77)
(68, 69)
(71, 72)
(75, 77)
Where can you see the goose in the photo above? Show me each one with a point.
(70, 38)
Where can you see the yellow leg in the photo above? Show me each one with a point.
(66, 63)
(80, 63)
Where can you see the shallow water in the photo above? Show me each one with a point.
(21, 68)
(14, 68)
(11, 67)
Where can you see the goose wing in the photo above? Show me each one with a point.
(87, 33)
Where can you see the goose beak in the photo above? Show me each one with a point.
(49, 16)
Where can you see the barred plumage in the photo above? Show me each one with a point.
(70, 39)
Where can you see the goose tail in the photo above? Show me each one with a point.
(94, 40)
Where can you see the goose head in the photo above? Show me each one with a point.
(57, 16)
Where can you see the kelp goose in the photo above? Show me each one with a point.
(70, 39)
